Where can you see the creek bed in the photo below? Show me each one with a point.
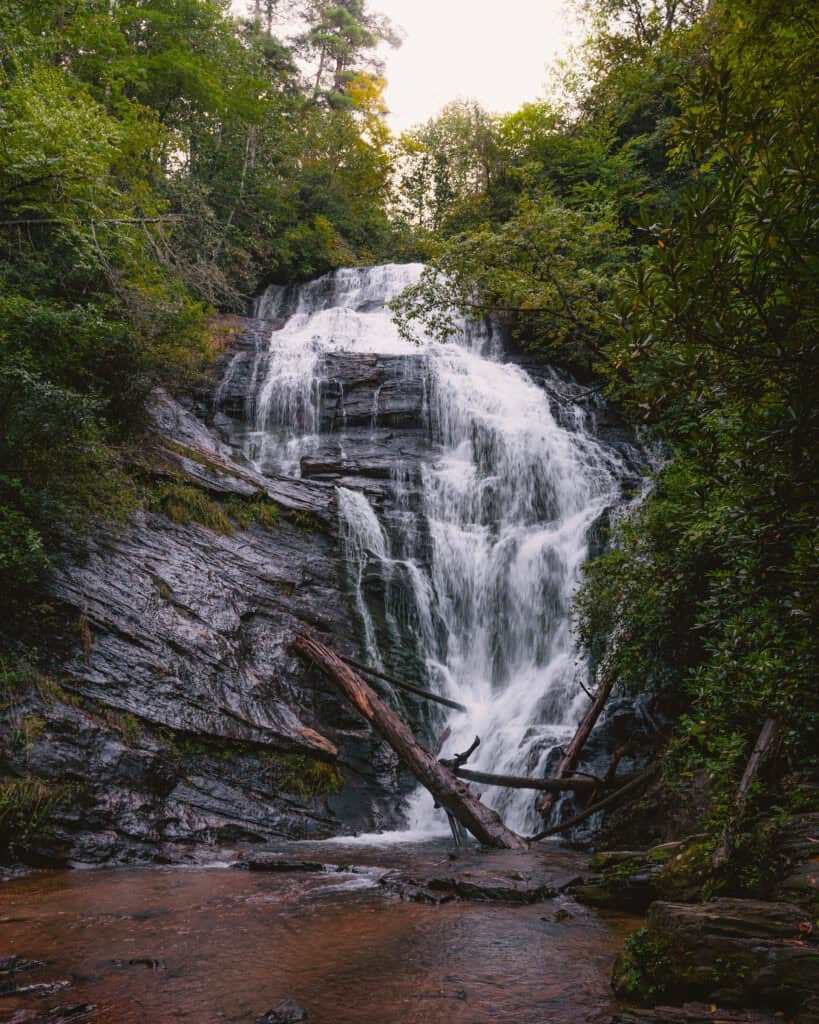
(208, 944)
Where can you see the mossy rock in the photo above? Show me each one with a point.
(631, 880)
(685, 872)
(305, 776)
(746, 952)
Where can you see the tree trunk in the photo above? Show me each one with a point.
(768, 736)
(575, 748)
(452, 794)
(524, 782)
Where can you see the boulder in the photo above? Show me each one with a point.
(731, 951)
(286, 1011)
(632, 879)
(498, 876)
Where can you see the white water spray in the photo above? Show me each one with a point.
(480, 577)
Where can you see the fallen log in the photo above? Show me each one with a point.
(765, 743)
(419, 691)
(586, 785)
(452, 794)
(575, 748)
(599, 806)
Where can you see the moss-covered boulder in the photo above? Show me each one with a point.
(632, 879)
(731, 951)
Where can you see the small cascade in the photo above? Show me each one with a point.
(362, 540)
(471, 560)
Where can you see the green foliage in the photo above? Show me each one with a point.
(158, 157)
(26, 808)
(23, 561)
(642, 969)
(244, 511)
(713, 580)
(548, 270)
(184, 503)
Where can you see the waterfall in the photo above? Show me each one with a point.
(482, 548)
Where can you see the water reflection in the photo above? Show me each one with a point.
(162, 945)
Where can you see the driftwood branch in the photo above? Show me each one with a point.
(575, 748)
(419, 691)
(764, 746)
(459, 760)
(601, 805)
(450, 792)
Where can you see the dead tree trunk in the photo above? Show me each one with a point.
(452, 794)
(552, 786)
(575, 748)
(766, 741)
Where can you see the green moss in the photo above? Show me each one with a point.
(126, 724)
(305, 520)
(53, 693)
(305, 776)
(183, 503)
(130, 729)
(26, 807)
(193, 455)
(643, 968)
(181, 744)
(29, 729)
(685, 876)
(245, 511)
(19, 676)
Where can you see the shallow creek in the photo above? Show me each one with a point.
(208, 944)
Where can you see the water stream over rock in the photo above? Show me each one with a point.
(463, 543)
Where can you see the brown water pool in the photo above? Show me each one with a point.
(214, 944)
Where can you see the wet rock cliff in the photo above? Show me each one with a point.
(173, 714)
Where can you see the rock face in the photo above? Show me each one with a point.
(286, 1011)
(174, 713)
(796, 848)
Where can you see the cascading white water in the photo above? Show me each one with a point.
(486, 566)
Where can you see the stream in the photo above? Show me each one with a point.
(210, 944)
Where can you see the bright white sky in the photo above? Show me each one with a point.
(495, 51)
